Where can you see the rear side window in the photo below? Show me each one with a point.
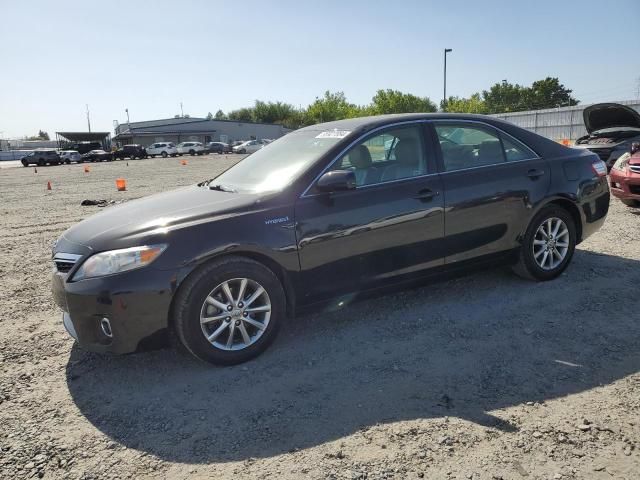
(468, 146)
(515, 150)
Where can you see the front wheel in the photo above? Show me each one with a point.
(548, 245)
(164, 154)
(229, 311)
(24, 163)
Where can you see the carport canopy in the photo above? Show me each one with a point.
(76, 137)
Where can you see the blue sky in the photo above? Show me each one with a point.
(150, 56)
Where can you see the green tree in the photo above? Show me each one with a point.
(241, 115)
(273, 112)
(473, 104)
(505, 97)
(549, 93)
(220, 115)
(330, 107)
(209, 116)
(394, 101)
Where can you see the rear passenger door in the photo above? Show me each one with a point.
(491, 182)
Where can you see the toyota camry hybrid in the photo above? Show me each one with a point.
(325, 214)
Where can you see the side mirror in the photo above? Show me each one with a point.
(337, 180)
(635, 147)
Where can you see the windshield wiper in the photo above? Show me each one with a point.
(222, 188)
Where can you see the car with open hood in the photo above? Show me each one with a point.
(323, 216)
(611, 130)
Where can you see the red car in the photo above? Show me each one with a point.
(625, 177)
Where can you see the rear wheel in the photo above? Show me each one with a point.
(164, 154)
(630, 202)
(548, 245)
(24, 163)
(229, 311)
(41, 162)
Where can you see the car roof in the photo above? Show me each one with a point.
(357, 126)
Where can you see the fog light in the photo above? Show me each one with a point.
(105, 325)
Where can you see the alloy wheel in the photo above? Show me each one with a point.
(551, 243)
(235, 314)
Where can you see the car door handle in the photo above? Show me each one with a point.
(426, 195)
(535, 173)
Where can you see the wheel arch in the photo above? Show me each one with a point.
(567, 204)
(278, 270)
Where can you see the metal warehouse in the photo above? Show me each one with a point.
(565, 123)
(194, 129)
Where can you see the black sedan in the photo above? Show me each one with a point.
(323, 215)
(219, 147)
(97, 156)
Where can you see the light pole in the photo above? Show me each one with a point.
(444, 100)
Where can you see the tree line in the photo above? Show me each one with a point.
(499, 98)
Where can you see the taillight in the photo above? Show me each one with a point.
(599, 168)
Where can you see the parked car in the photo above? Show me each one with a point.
(191, 148)
(97, 156)
(612, 129)
(41, 157)
(130, 151)
(218, 147)
(68, 156)
(324, 215)
(625, 177)
(164, 149)
(249, 146)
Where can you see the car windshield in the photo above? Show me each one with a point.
(276, 165)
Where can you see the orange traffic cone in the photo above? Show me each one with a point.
(183, 162)
(86, 169)
(48, 185)
(121, 184)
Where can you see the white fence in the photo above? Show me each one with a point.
(565, 123)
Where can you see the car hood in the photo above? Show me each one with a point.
(609, 115)
(151, 218)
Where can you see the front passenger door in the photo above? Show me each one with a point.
(389, 228)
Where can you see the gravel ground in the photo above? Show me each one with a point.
(485, 376)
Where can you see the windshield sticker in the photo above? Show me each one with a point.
(335, 133)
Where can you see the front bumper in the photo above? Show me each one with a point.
(136, 304)
(625, 185)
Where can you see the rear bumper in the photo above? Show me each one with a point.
(595, 199)
(135, 303)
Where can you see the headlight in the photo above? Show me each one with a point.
(116, 261)
(622, 162)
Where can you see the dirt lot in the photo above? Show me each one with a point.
(482, 377)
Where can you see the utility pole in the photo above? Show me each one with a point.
(444, 99)
(88, 119)
(181, 111)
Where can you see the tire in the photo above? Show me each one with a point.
(527, 266)
(191, 302)
(68, 162)
(24, 163)
(630, 202)
(164, 154)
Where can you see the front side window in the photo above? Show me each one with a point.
(393, 154)
(468, 146)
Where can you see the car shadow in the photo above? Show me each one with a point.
(463, 348)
